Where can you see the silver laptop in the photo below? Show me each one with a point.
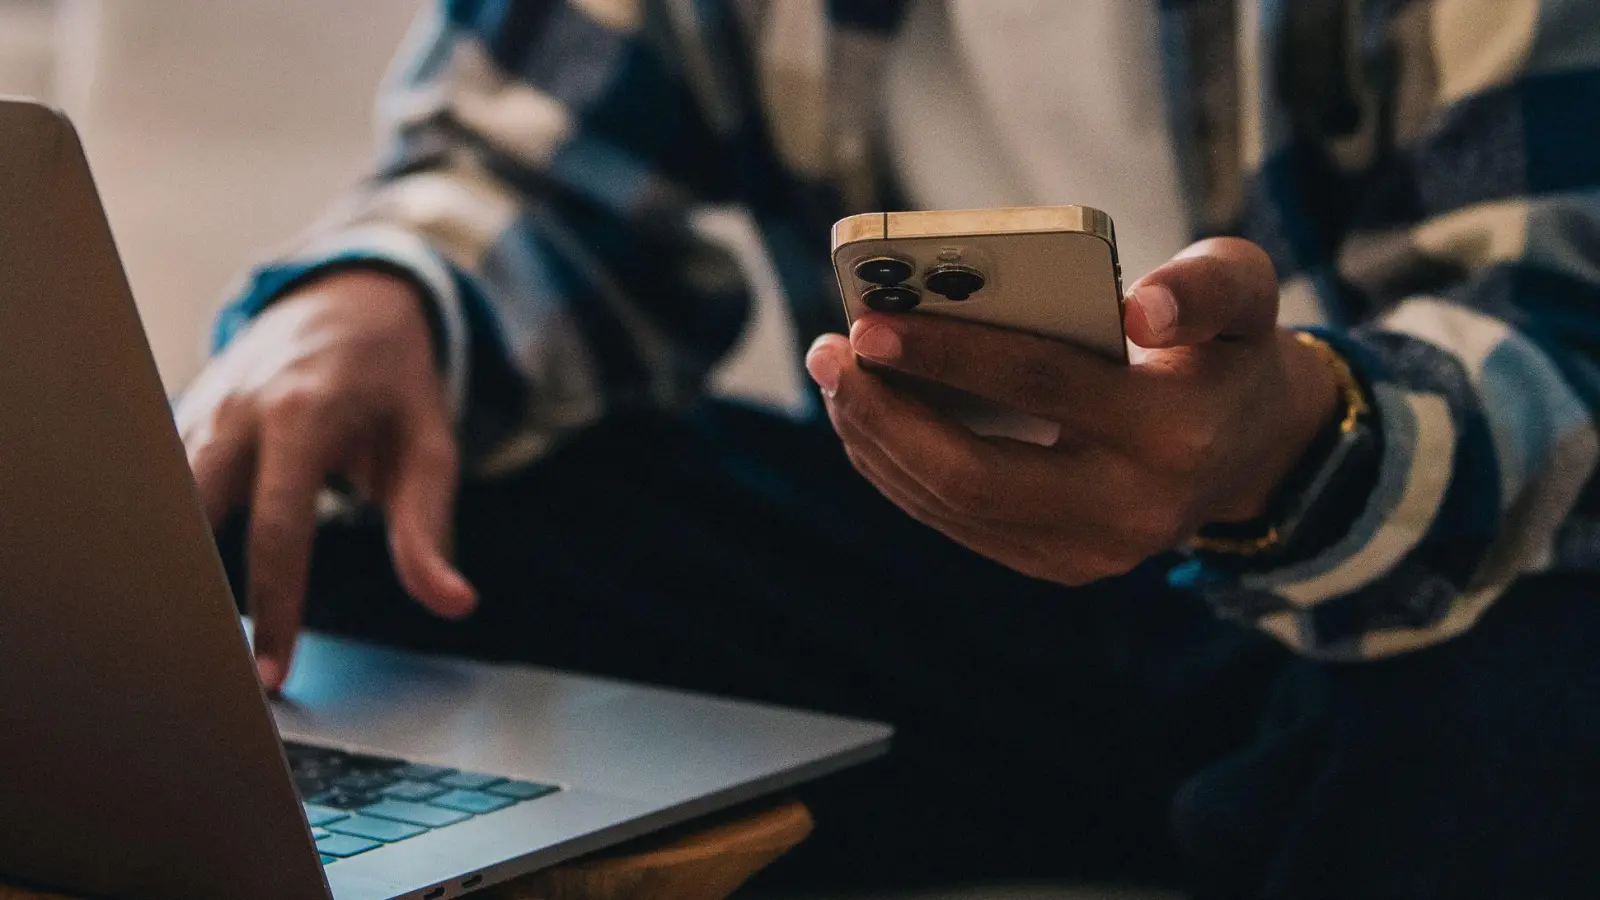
(138, 756)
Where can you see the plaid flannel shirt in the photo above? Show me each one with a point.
(1424, 172)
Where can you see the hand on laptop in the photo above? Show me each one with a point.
(1203, 425)
(338, 377)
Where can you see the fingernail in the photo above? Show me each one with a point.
(270, 672)
(880, 343)
(1160, 309)
(467, 594)
(823, 364)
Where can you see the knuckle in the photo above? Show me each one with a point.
(1210, 268)
(278, 516)
(294, 402)
(408, 562)
(1250, 255)
(232, 407)
(269, 529)
(203, 420)
(858, 407)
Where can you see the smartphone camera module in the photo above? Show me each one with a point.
(900, 298)
(883, 270)
(954, 282)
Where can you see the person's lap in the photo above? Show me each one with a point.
(1471, 769)
(1042, 732)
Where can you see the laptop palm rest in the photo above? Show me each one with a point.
(632, 759)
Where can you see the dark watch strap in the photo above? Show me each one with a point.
(1315, 506)
(1320, 499)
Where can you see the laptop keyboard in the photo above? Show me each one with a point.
(356, 802)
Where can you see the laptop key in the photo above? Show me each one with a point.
(523, 790)
(344, 845)
(420, 772)
(329, 859)
(318, 834)
(469, 781)
(414, 791)
(475, 802)
(385, 830)
(415, 813)
(319, 816)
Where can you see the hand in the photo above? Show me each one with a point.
(338, 377)
(1214, 411)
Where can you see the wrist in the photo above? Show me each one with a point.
(365, 288)
(1313, 402)
(389, 299)
(356, 280)
(1323, 486)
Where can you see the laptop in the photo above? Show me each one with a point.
(139, 758)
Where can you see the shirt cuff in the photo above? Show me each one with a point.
(1412, 476)
(380, 245)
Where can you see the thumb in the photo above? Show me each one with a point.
(1218, 288)
(420, 506)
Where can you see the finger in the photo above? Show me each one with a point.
(1223, 287)
(1090, 490)
(221, 462)
(282, 526)
(420, 504)
(991, 478)
(1100, 511)
(994, 540)
(893, 482)
(828, 358)
(1070, 553)
(1088, 395)
(961, 469)
(949, 463)
(1102, 500)
(826, 361)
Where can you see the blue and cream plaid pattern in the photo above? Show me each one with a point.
(1426, 173)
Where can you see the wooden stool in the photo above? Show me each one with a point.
(707, 864)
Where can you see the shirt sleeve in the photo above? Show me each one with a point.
(1485, 370)
(542, 171)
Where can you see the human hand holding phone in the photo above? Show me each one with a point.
(1213, 410)
(336, 378)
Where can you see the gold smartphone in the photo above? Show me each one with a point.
(1049, 271)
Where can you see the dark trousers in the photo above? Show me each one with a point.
(1117, 732)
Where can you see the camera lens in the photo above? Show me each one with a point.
(884, 270)
(892, 299)
(955, 282)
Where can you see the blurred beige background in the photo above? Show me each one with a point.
(218, 128)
